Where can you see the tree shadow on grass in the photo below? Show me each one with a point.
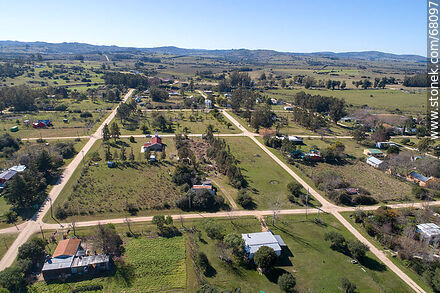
(274, 274)
(373, 264)
(125, 273)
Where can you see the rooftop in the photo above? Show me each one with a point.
(429, 229)
(374, 160)
(418, 176)
(253, 241)
(375, 151)
(67, 247)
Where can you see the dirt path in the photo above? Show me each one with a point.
(226, 194)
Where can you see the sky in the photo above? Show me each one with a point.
(393, 26)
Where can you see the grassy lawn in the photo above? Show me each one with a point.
(233, 276)
(104, 192)
(75, 126)
(382, 186)
(193, 121)
(267, 180)
(396, 260)
(386, 99)
(318, 268)
(5, 241)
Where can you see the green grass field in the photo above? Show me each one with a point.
(380, 100)
(267, 180)
(318, 268)
(105, 192)
(181, 122)
(75, 125)
(150, 265)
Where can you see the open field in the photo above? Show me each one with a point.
(380, 100)
(181, 121)
(75, 125)
(355, 171)
(6, 241)
(104, 192)
(149, 266)
(267, 180)
(318, 268)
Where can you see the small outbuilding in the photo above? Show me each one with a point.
(6, 176)
(14, 128)
(418, 178)
(373, 161)
(111, 164)
(429, 232)
(373, 153)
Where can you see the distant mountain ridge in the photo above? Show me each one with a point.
(16, 47)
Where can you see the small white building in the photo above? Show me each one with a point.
(288, 108)
(253, 241)
(429, 232)
(375, 162)
(208, 104)
(274, 101)
(295, 139)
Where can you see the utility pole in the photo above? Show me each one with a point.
(51, 210)
(307, 203)
(42, 233)
(84, 164)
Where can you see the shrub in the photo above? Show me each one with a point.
(202, 262)
(357, 249)
(245, 200)
(348, 286)
(85, 115)
(337, 241)
(265, 258)
(287, 282)
(61, 107)
(60, 213)
(294, 190)
(214, 230)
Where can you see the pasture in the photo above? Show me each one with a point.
(266, 179)
(408, 101)
(318, 268)
(193, 121)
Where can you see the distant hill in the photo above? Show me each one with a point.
(15, 47)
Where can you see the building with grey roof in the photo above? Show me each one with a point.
(429, 232)
(253, 241)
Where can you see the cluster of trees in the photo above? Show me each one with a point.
(308, 119)
(355, 248)
(395, 229)
(28, 188)
(365, 83)
(262, 117)
(19, 98)
(418, 80)
(332, 84)
(128, 80)
(236, 80)
(336, 189)
(30, 257)
(8, 145)
(10, 70)
(225, 160)
(334, 107)
(165, 226)
(126, 109)
(243, 98)
(158, 94)
(200, 200)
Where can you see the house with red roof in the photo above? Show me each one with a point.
(155, 144)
